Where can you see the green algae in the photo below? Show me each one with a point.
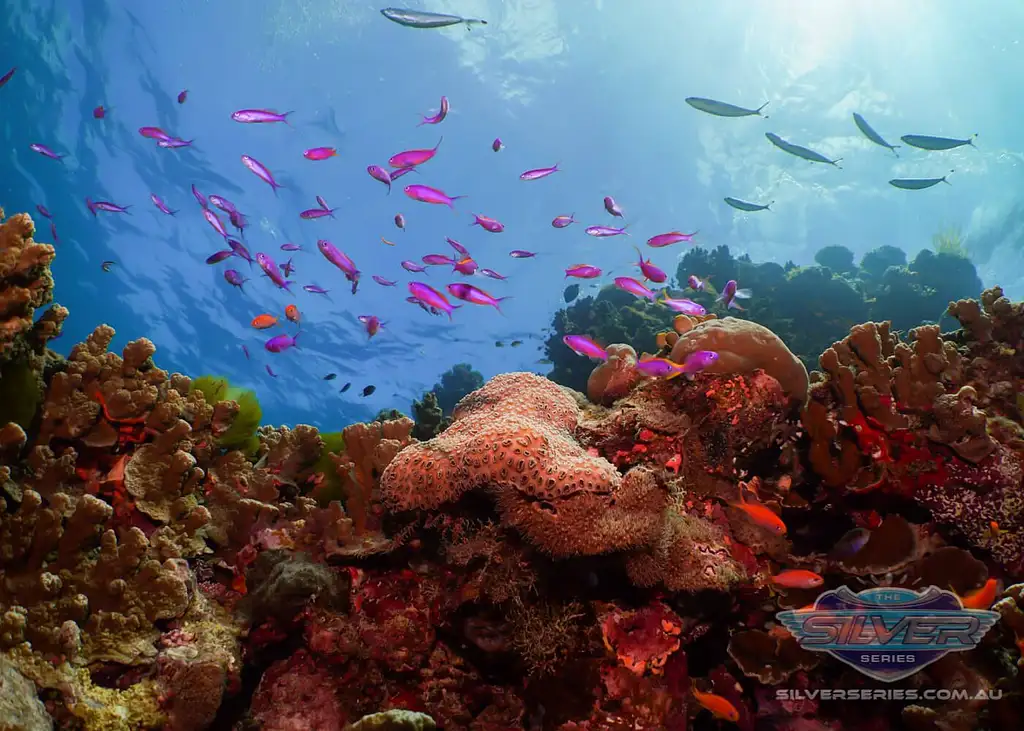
(332, 487)
(242, 432)
(21, 393)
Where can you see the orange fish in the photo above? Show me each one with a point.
(385, 241)
(262, 322)
(762, 515)
(292, 313)
(798, 579)
(719, 706)
(994, 530)
(982, 598)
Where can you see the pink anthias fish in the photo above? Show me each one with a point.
(288, 268)
(260, 171)
(437, 259)
(492, 274)
(319, 153)
(683, 306)
(400, 221)
(457, 246)
(7, 77)
(270, 268)
(431, 297)
(412, 158)
(563, 221)
(312, 214)
(198, 196)
(522, 254)
(154, 133)
(667, 239)
(488, 224)
(695, 362)
(315, 289)
(341, 260)
(383, 282)
(282, 342)
(605, 231)
(218, 256)
(259, 116)
(538, 173)
(439, 117)
(426, 194)
(99, 112)
(411, 266)
(426, 308)
(698, 284)
(45, 151)
(372, 324)
(378, 173)
(234, 278)
(105, 206)
(497, 145)
(222, 203)
(612, 207)
(628, 284)
(160, 205)
(650, 271)
(396, 174)
(730, 294)
(474, 295)
(583, 271)
(239, 248)
(583, 345)
(215, 223)
(43, 211)
(174, 143)
(182, 96)
(289, 246)
(466, 266)
(321, 202)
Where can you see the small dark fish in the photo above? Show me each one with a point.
(42, 211)
(99, 112)
(571, 292)
(7, 77)
(918, 183)
(246, 351)
(497, 145)
(105, 266)
(288, 268)
(868, 131)
(330, 376)
(400, 221)
(420, 19)
(935, 144)
(270, 371)
(219, 256)
(515, 343)
(722, 109)
(346, 387)
(851, 543)
(369, 390)
(521, 254)
(747, 207)
(290, 247)
(182, 96)
(499, 344)
(53, 232)
(45, 151)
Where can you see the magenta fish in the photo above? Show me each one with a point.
(684, 306)
(412, 158)
(270, 371)
(628, 284)
(605, 231)
(411, 266)
(612, 207)
(239, 248)
(372, 324)
(174, 143)
(53, 232)
(457, 246)
(437, 259)
(396, 174)
(583, 271)
(426, 194)
(290, 247)
(219, 256)
(270, 268)
(497, 145)
(237, 220)
(288, 268)
(43, 211)
(198, 196)
(160, 205)
(538, 173)
(492, 274)
(672, 237)
(466, 266)
(383, 282)
(522, 254)
(106, 206)
(339, 259)
(259, 116)
(400, 221)
(730, 294)
(319, 153)
(436, 118)
(222, 203)
(695, 362)
(215, 223)
(583, 345)
(282, 342)
(234, 278)
(246, 351)
(378, 173)
(182, 96)
(315, 289)
(488, 224)
(99, 112)
(321, 202)
(45, 151)
(422, 306)
(7, 77)
(563, 221)
(649, 270)
(431, 297)
(154, 133)
(474, 295)
(260, 171)
(698, 284)
(312, 214)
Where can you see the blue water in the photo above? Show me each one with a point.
(595, 86)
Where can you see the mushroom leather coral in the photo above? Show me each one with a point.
(515, 437)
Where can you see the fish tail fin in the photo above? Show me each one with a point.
(287, 288)
(736, 306)
(943, 179)
(454, 198)
(286, 120)
(837, 161)
(893, 149)
(761, 108)
(439, 142)
(295, 339)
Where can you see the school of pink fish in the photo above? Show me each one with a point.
(434, 300)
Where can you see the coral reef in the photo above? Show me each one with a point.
(545, 560)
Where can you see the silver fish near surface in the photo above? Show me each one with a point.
(869, 132)
(919, 183)
(722, 109)
(936, 144)
(421, 19)
(747, 207)
(801, 152)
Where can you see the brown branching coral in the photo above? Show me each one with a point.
(25, 285)
(369, 449)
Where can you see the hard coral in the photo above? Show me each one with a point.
(515, 437)
(25, 285)
(614, 378)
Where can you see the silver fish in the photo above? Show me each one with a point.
(870, 133)
(918, 183)
(801, 152)
(721, 109)
(925, 142)
(420, 19)
(748, 207)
